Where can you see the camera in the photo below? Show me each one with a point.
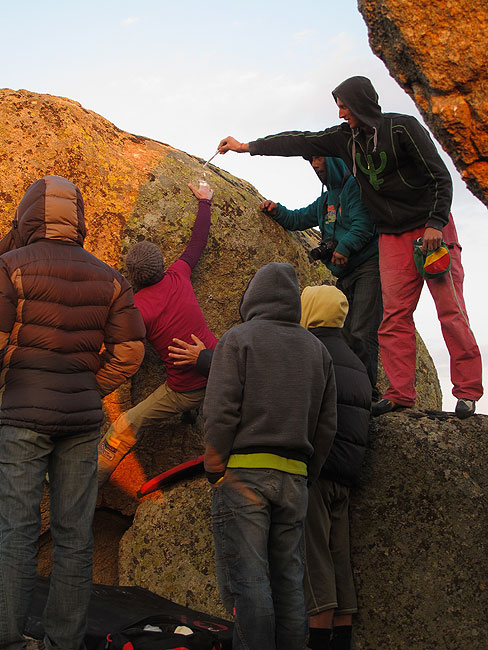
(324, 250)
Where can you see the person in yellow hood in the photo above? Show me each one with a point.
(329, 588)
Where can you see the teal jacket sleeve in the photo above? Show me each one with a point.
(354, 220)
(302, 218)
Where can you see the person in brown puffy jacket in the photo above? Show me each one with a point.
(69, 334)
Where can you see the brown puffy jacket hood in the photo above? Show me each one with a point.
(52, 208)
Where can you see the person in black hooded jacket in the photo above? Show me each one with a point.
(328, 582)
(408, 191)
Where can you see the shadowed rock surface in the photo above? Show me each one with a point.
(437, 52)
(418, 523)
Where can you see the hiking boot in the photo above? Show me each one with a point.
(385, 406)
(189, 417)
(109, 456)
(465, 408)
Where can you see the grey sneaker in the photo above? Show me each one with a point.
(465, 408)
(384, 406)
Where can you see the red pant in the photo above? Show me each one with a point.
(401, 286)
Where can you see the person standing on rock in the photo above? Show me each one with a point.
(270, 419)
(408, 191)
(349, 249)
(59, 306)
(329, 587)
(169, 308)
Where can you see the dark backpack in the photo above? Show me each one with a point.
(136, 638)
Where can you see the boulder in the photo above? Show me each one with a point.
(418, 532)
(169, 547)
(437, 52)
(136, 188)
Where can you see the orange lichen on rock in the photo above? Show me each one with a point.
(437, 52)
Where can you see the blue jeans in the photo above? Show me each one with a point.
(257, 517)
(71, 461)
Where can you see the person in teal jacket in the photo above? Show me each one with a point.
(343, 219)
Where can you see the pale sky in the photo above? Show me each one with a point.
(189, 74)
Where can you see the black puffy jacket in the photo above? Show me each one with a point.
(353, 409)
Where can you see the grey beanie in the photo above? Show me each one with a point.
(145, 264)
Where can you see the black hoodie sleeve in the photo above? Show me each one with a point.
(301, 143)
(204, 362)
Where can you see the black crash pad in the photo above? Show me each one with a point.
(114, 608)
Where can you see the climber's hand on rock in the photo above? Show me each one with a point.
(269, 207)
(204, 191)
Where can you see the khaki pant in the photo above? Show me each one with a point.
(125, 431)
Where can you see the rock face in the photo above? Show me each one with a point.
(136, 188)
(418, 529)
(169, 548)
(437, 53)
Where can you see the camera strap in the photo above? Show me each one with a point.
(343, 182)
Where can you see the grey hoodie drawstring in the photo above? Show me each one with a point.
(355, 132)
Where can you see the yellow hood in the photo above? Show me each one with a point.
(323, 306)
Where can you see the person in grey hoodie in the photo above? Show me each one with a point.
(270, 420)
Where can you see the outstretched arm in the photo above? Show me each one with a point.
(300, 219)
(290, 143)
(199, 236)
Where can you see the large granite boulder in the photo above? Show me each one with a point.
(136, 188)
(418, 529)
(437, 52)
